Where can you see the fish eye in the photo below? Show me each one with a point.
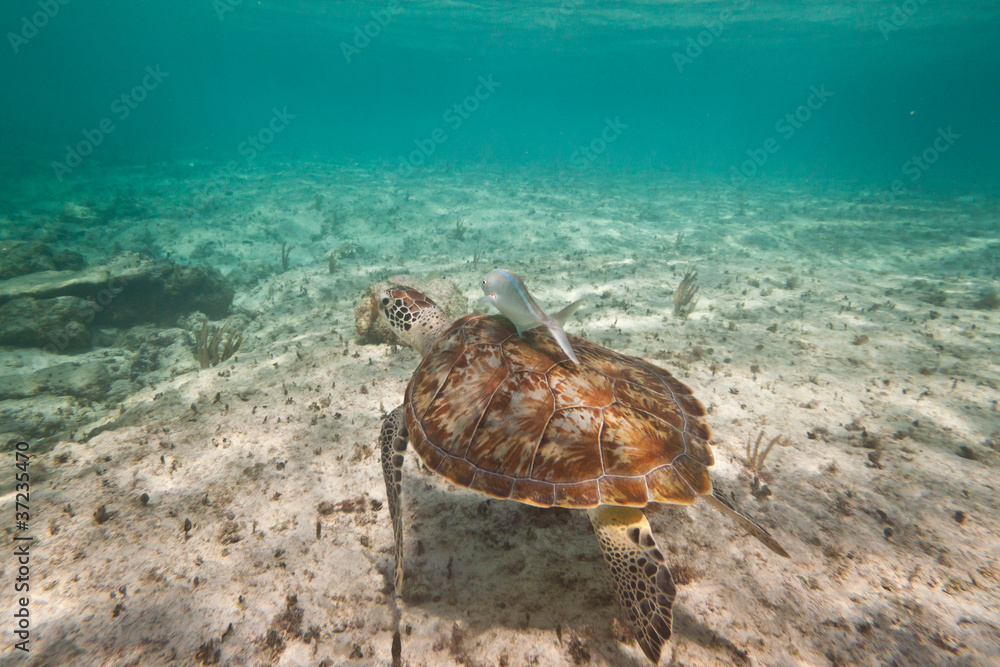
(484, 281)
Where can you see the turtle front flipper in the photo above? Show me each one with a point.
(392, 443)
(645, 588)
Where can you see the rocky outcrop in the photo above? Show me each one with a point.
(88, 381)
(58, 324)
(56, 310)
(55, 400)
(18, 258)
(43, 404)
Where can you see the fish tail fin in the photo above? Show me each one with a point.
(563, 315)
(560, 336)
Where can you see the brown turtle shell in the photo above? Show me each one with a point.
(513, 418)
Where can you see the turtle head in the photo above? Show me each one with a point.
(412, 316)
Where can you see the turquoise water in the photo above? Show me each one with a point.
(791, 207)
(694, 87)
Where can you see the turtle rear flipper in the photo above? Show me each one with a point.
(392, 444)
(645, 588)
(719, 502)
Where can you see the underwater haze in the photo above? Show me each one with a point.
(791, 208)
(697, 85)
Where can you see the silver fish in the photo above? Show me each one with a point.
(507, 292)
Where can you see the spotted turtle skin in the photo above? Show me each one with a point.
(511, 417)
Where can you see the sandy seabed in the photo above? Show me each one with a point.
(853, 328)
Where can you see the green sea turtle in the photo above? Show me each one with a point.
(511, 417)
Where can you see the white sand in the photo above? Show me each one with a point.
(251, 450)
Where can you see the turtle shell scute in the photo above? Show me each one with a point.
(511, 417)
